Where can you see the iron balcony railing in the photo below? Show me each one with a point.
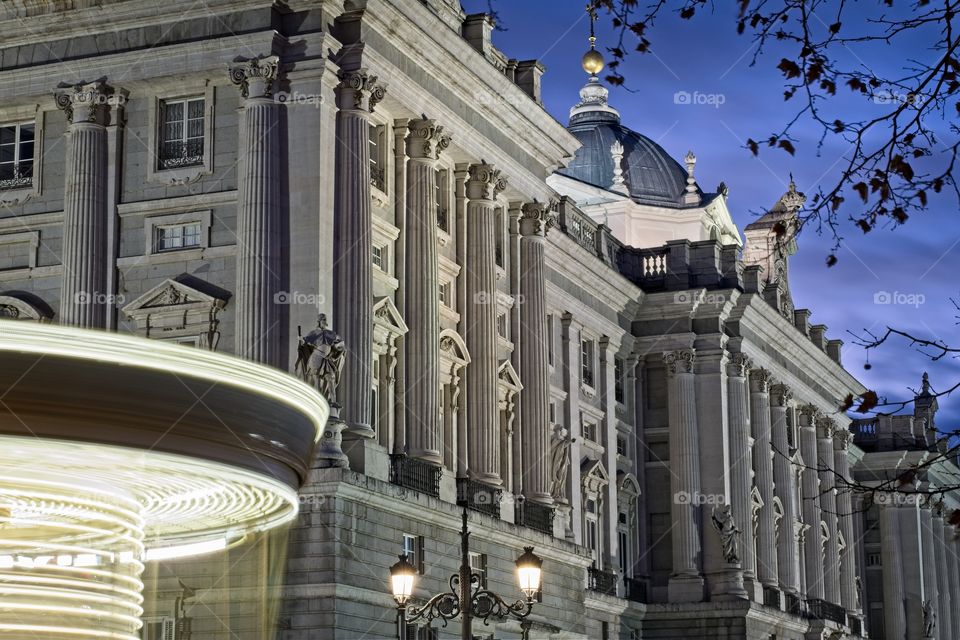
(479, 497)
(535, 515)
(636, 590)
(771, 597)
(601, 581)
(179, 153)
(856, 629)
(794, 604)
(823, 610)
(415, 474)
(16, 176)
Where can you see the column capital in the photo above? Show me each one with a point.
(760, 380)
(780, 395)
(426, 139)
(679, 361)
(825, 428)
(738, 365)
(809, 414)
(484, 182)
(358, 90)
(842, 439)
(256, 76)
(87, 101)
(536, 218)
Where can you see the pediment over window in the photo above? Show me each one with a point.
(388, 324)
(17, 305)
(453, 356)
(627, 484)
(182, 309)
(507, 377)
(593, 476)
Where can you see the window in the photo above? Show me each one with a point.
(446, 297)
(592, 540)
(478, 565)
(378, 159)
(181, 133)
(416, 632)
(621, 446)
(158, 629)
(380, 258)
(16, 155)
(618, 379)
(413, 547)
(502, 325)
(874, 560)
(590, 431)
(499, 237)
(624, 548)
(586, 362)
(553, 412)
(443, 217)
(178, 236)
(550, 339)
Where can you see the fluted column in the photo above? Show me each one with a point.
(944, 600)
(483, 184)
(84, 298)
(535, 220)
(894, 617)
(686, 582)
(810, 489)
(424, 144)
(741, 465)
(357, 94)
(763, 465)
(845, 513)
(788, 555)
(259, 213)
(953, 576)
(929, 559)
(828, 506)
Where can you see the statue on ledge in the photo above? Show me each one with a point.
(559, 463)
(729, 533)
(320, 356)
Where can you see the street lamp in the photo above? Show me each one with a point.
(467, 596)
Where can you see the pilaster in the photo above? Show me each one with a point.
(763, 465)
(810, 490)
(788, 555)
(828, 504)
(741, 467)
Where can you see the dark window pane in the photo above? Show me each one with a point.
(26, 133)
(195, 109)
(6, 153)
(173, 112)
(6, 171)
(26, 150)
(8, 135)
(26, 169)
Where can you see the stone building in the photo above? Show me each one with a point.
(561, 316)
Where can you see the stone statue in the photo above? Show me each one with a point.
(320, 356)
(929, 619)
(559, 463)
(729, 533)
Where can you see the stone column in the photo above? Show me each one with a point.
(763, 464)
(357, 94)
(849, 571)
(953, 576)
(929, 559)
(686, 581)
(741, 467)
(84, 298)
(535, 220)
(259, 213)
(828, 506)
(421, 312)
(399, 435)
(788, 557)
(894, 618)
(810, 489)
(483, 185)
(944, 599)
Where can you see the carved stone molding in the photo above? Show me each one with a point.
(88, 102)
(15, 307)
(842, 438)
(738, 365)
(680, 361)
(780, 395)
(760, 380)
(426, 139)
(177, 310)
(825, 427)
(537, 218)
(256, 77)
(484, 182)
(359, 90)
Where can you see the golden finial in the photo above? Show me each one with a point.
(592, 60)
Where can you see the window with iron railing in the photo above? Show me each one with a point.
(586, 362)
(618, 379)
(16, 155)
(181, 133)
(378, 158)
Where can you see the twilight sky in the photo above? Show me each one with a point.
(915, 265)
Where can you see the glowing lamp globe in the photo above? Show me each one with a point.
(401, 580)
(529, 572)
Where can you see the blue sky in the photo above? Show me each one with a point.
(916, 263)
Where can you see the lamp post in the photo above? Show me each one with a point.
(467, 596)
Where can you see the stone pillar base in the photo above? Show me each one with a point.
(754, 589)
(508, 507)
(685, 589)
(561, 522)
(329, 451)
(448, 486)
(726, 585)
(367, 456)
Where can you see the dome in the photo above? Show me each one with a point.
(649, 173)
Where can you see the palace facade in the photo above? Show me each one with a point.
(560, 316)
